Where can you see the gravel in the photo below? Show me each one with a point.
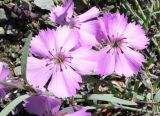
(2, 31)
(17, 71)
(3, 16)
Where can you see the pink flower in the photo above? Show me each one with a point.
(86, 29)
(4, 72)
(45, 106)
(60, 59)
(121, 42)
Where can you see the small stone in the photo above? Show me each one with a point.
(26, 5)
(45, 17)
(12, 32)
(13, 55)
(3, 16)
(1, 40)
(17, 70)
(44, 4)
(2, 32)
(18, 62)
(13, 15)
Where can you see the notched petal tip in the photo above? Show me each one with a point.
(62, 81)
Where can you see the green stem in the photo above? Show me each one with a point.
(128, 7)
(111, 106)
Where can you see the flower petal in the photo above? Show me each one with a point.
(90, 14)
(115, 24)
(135, 36)
(43, 43)
(69, 5)
(2, 92)
(4, 71)
(101, 30)
(84, 60)
(42, 105)
(88, 32)
(129, 62)
(67, 81)
(106, 61)
(37, 72)
(66, 38)
(60, 14)
(81, 112)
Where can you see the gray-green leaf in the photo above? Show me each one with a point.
(24, 57)
(110, 98)
(13, 104)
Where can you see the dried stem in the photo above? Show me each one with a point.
(12, 85)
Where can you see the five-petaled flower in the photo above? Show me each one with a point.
(121, 41)
(59, 57)
(83, 24)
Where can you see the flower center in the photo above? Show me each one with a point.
(58, 61)
(116, 44)
(112, 43)
(60, 58)
(73, 23)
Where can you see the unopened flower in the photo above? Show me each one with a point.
(86, 28)
(4, 72)
(60, 59)
(45, 106)
(121, 41)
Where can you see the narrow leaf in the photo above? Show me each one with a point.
(24, 57)
(155, 85)
(110, 98)
(128, 7)
(13, 104)
(99, 106)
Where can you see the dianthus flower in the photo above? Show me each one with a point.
(4, 72)
(121, 41)
(45, 106)
(86, 28)
(58, 57)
